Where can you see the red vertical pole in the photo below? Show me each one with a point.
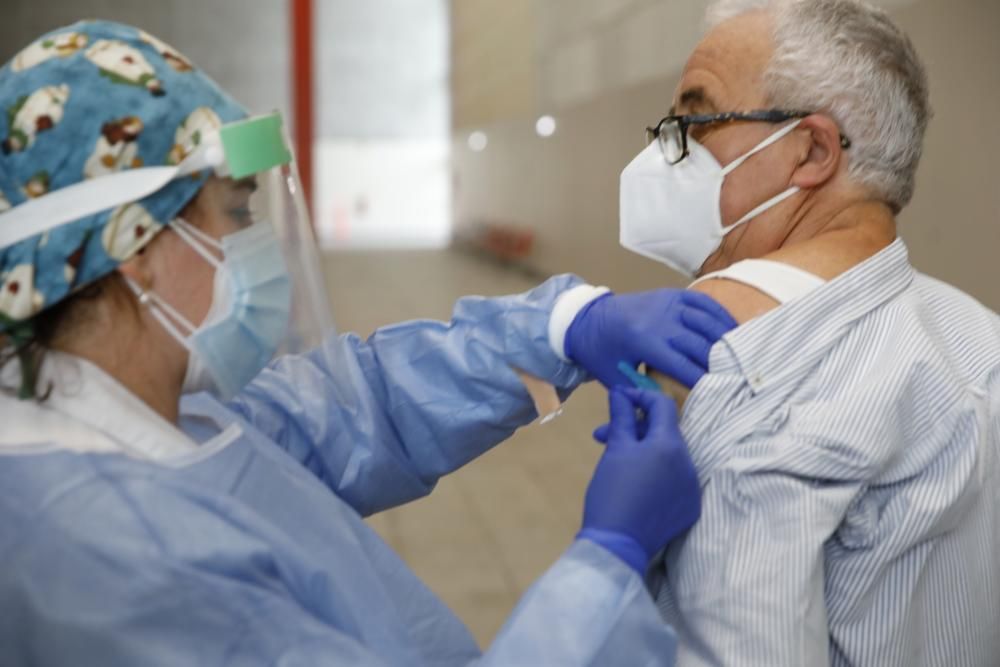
(303, 107)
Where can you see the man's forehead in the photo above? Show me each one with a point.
(725, 71)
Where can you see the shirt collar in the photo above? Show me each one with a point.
(86, 394)
(778, 344)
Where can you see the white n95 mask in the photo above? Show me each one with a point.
(671, 213)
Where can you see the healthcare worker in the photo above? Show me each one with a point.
(186, 449)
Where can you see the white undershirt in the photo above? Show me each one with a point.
(782, 282)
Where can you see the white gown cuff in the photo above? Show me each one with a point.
(568, 305)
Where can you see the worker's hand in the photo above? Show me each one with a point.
(671, 330)
(645, 490)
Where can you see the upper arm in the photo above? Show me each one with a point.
(742, 301)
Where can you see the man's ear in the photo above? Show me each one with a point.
(821, 158)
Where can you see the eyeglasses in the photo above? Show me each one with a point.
(672, 131)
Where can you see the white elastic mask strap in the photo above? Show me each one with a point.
(769, 204)
(194, 237)
(163, 312)
(770, 141)
(773, 201)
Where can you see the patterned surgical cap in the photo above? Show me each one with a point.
(81, 102)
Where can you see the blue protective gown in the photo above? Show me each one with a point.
(239, 541)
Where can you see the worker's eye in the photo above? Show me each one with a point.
(242, 215)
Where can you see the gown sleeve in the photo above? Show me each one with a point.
(379, 421)
(129, 570)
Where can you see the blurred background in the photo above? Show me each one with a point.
(474, 147)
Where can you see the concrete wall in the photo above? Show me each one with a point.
(242, 44)
(494, 69)
(607, 68)
(953, 225)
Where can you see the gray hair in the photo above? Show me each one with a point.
(849, 60)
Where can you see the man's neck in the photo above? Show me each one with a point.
(818, 218)
(825, 245)
(834, 241)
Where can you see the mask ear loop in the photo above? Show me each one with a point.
(773, 201)
(194, 237)
(163, 312)
(769, 204)
(169, 317)
(767, 143)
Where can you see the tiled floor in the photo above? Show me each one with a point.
(492, 528)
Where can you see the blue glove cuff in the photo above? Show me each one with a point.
(621, 545)
(586, 302)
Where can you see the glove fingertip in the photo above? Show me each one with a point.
(618, 397)
(622, 412)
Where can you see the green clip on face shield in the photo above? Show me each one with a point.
(253, 147)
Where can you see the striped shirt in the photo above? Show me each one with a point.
(849, 449)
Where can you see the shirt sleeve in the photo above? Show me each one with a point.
(590, 608)
(380, 421)
(749, 577)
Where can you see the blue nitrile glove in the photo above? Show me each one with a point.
(671, 330)
(645, 490)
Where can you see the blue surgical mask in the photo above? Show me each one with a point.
(249, 314)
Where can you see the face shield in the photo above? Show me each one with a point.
(258, 149)
(253, 151)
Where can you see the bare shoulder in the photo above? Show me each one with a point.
(742, 301)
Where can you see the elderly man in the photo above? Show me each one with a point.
(848, 433)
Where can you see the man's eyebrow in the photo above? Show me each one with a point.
(694, 99)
